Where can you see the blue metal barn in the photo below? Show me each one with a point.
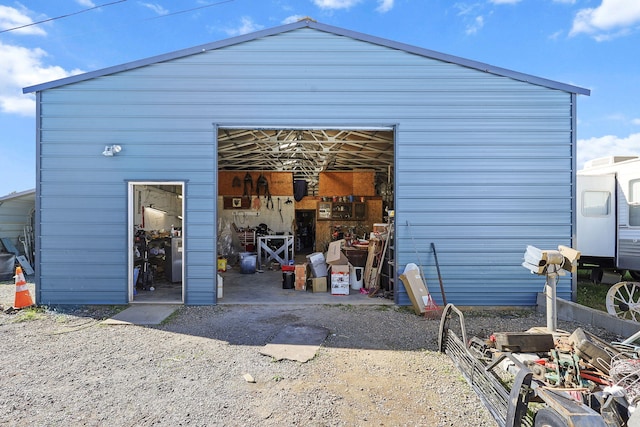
(483, 165)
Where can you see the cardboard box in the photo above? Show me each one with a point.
(301, 277)
(416, 289)
(318, 284)
(301, 271)
(335, 255)
(317, 265)
(340, 279)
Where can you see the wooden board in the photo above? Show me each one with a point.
(236, 202)
(280, 183)
(361, 183)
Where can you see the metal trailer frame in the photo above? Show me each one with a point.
(508, 402)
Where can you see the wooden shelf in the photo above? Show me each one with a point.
(346, 211)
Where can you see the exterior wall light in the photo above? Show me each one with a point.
(110, 150)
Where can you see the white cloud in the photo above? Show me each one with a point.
(635, 121)
(477, 25)
(13, 18)
(611, 19)
(505, 1)
(86, 3)
(384, 6)
(246, 26)
(335, 4)
(156, 8)
(565, 1)
(23, 67)
(604, 146)
(292, 18)
(556, 35)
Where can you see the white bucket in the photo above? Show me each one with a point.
(356, 277)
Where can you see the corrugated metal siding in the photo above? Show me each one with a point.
(483, 162)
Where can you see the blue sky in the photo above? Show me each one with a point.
(588, 43)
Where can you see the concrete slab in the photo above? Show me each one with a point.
(142, 314)
(296, 342)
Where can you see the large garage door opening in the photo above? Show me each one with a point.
(301, 209)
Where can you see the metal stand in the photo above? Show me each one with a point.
(280, 254)
(550, 292)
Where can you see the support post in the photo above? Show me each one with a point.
(550, 291)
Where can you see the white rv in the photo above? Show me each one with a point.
(608, 217)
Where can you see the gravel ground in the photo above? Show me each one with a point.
(379, 366)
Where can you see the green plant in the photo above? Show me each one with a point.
(30, 313)
(592, 295)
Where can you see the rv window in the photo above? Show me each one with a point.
(596, 203)
(634, 203)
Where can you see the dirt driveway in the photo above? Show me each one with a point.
(378, 366)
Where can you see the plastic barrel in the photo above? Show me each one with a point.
(248, 262)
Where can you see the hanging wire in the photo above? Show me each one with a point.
(62, 16)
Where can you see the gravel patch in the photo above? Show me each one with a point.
(378, 366)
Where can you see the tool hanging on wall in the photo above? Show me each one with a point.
(248, 185)
(280, 210)
(236, 182)
(262, 183)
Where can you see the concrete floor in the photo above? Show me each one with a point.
(259, 288)
(266, 288)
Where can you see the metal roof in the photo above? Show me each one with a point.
(309, 23)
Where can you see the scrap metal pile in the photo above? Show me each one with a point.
(536, 378)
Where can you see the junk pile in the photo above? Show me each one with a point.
(538, 378)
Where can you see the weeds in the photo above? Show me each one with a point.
(29, 314)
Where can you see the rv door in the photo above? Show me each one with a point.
(596, 215)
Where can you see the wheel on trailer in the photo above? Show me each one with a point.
(635, 274)
(623, 300)
(548, 418)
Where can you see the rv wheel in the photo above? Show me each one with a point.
(635, 274)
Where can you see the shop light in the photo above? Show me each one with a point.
(156, 209)
(110, 150)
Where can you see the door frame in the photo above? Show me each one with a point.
(130, 235)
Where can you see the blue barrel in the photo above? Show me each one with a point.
(248, 262)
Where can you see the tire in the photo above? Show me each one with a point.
(548, 418)
(623, 300)
(635, 274)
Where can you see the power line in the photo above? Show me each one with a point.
(190, 10)
(63, 16)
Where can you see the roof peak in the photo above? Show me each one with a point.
(308, 22)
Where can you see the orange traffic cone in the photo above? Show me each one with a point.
(23, 297)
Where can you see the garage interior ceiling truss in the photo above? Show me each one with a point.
(306, 152)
